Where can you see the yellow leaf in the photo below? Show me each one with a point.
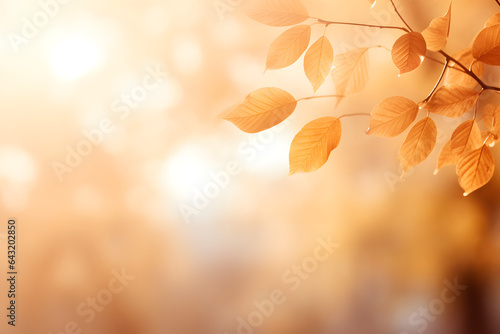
(454, 75)
(492, 21)
(262, 109)
(392, 116)
(466, 137)
(452, 100)
(436, 34)
(408, 52)
(318, 62)
(475, 169)
(446, 157)
(418, 144)
(311, 147)
(350, 72)
(491, 118)
(278, 13)
(288, 47)
(486, 45)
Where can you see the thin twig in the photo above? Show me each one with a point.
(469, 72)
(448, 57)
(318, 97)
(358, 114)
(438, 82)
(358, 24)
(442, 63)
(400, 16)
(409, 29)
(475, 105)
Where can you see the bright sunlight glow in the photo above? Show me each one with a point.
(74, 56)
(185, 170)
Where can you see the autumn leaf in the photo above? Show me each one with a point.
(288, 47)
(278, 13)
(452, 100)
(446, 157)
(492, 21)
(486, 45)
(488, 138)
(350, 72)
(475, 169)
(418, 145)
(491, 118)
(408, 52)
(311, 147)
(466, 137)
(318, 62)
(392, 116)
(455, 75)
(436, 34)
(262, 109)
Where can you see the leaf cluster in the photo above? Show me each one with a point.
(455, 93)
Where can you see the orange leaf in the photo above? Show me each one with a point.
(278, 13)
(475, 169)
(488, 138)
(491, 118)
(452, 100)
(392, 116)
(408, 52)
(318, 62)
(454, 75)
(418, 144)
(350, 73)
(288, 47)
(486, 45)
(311, 147)
(492, 21)
(446, 157)
(466, 137)
(262, 109)
(436, 34)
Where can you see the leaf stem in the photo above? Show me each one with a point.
(442, 63)
(318, 97)
(352, 115)
(400, 16)
(487, 138)
(498, 2)
(445, 67)
(358, 24)
(475, 105)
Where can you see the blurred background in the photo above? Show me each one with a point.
(145, 196)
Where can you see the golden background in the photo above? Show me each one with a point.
(120, 207)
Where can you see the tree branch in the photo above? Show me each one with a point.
(469, 72)
(448, 57)
(359, 24)
(409, 29)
